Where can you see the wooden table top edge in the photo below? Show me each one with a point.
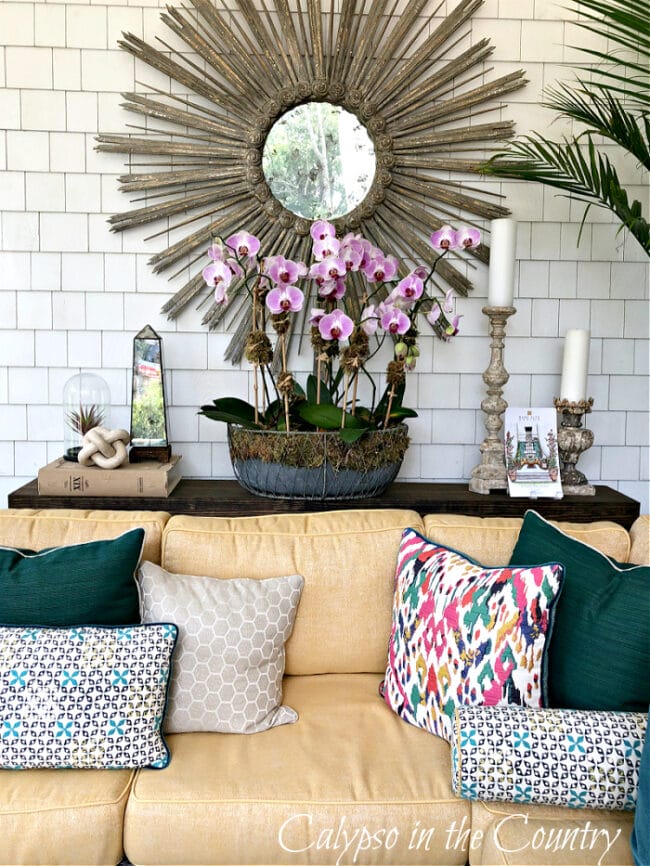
(225, 497)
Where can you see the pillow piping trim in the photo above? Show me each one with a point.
(607, 559)
(160, 730)
(49, 550)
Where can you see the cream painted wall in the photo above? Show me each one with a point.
(72, 295)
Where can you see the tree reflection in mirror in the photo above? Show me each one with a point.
(319, 160)
(148, 411)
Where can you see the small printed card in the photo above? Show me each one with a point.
(532, 459)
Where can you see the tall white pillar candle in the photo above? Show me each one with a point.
(503, 242)
(574, 365)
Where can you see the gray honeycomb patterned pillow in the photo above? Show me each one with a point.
(229, 660)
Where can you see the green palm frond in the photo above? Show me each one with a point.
(602, 113)
(611, 99)
(578, 170)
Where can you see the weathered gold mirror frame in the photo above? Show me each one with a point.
(243, 67)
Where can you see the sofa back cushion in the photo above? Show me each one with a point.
(347, 559)
(37, 528)
(640, 538)
(491, 540)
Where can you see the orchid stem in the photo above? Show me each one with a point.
(390, 405)
(256, 392)
(283, 346)
(354, 393)
(318, 375)
(345, 397)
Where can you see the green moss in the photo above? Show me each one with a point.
(375, 449)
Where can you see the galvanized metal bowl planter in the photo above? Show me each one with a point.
(316, 465)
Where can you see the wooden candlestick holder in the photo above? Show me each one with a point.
(490, 474)
(572, 440)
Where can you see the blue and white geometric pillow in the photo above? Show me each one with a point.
(84, 697)
(575, 758)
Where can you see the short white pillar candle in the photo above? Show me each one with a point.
(573, 386)
(503, 243)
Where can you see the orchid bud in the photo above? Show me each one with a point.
(410, 362)
(401, 350)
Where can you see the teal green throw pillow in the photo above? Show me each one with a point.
(91, 583)
(599, 654)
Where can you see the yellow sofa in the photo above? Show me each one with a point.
(349, 782)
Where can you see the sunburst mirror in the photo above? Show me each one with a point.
(365, 112)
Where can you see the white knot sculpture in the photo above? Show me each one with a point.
(104, 448)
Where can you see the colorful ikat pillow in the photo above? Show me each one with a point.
(463, 634)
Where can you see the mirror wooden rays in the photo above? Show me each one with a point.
(413, 77)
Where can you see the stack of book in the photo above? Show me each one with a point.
(148, 478)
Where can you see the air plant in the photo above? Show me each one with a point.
(85, 419)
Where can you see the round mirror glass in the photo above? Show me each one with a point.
(319, 160)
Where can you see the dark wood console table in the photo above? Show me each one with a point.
(228, 499)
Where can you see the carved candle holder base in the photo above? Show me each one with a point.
(573, 439)
(490, 474)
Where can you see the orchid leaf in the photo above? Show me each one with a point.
(312, 390)
(231, 410)
(352, 434)
(398, 396)
(402, 412)
(328, 416)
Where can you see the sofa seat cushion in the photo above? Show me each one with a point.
(521, 834)
(62, 816)
(348, 764)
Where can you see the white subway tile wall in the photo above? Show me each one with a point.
(73, 294)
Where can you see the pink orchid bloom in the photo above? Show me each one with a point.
(421, 272)
(395, 322)
(448, 305)
(369, 320)
(444, 239)
(321, 229)
(220, 294)
(467, 237)
(331, 268)
(380, 269)
(315, 315)
(285, 299)
(325, 248)
(410, 287)
(334, 290)
(335, 326)
(452, 329)
(283, 271)
(395, 299)
(216, 273)
(243, 244)
(434, 314)
(216, 252)
(369, 253)
(352, 255)
(234, 266)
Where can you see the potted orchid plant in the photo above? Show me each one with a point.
(345, 336)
